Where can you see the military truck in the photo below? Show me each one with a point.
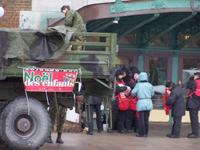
(27, 48)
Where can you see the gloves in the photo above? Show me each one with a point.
(128, 90)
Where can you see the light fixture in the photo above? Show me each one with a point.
(187, 37)
(116, 20)
(1, 11)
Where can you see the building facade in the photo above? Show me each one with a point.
(160, 37)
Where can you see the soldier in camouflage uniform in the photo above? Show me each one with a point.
(59, 117)
(57, 113)
(74, 20)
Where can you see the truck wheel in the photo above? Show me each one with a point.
(23, 131)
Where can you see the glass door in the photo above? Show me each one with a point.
(159, 68)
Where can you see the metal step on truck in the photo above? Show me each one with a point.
(24, 119)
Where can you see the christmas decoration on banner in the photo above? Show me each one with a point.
(49, 80)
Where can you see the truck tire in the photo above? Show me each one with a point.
(21, 131)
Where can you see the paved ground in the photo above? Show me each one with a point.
(115, 141)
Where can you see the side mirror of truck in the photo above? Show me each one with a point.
(78, 86)
(79, 94)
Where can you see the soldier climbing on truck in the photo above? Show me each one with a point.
(75, 21)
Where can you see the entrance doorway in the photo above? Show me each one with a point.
(159, 68)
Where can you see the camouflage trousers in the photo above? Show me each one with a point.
(58, 116)
(78, 38)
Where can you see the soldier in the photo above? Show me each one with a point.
(57, 113)
(74, 20)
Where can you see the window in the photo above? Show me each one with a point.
(158, 70)
(190, 66)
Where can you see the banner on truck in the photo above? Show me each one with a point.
(49, 80)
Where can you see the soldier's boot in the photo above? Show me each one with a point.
(59, 140)
(49, 140)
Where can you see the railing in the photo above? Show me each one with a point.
(94, 41)
(96, 44)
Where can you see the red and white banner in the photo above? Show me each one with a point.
(49, 80)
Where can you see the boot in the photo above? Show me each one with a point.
(123, 131)
(192, 135)
(49, 140)
(59, 140)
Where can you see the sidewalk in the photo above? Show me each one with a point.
(116, 141)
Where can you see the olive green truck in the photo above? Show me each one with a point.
(24, 119)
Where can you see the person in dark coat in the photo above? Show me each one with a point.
(176, 101)
(193, 105)
(94, 106)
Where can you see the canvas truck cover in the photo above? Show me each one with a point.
(33, 44)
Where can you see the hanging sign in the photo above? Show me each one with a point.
(49, 80)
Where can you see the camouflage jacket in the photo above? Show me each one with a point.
(73, 19)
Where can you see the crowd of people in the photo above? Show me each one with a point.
(134, 94)
(133, 104)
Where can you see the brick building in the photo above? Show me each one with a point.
(34, 14)
(12, 10)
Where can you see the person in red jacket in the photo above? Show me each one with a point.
(166, 97)
(189, 87)
(193, 106)
(121, 94)
(133, 102)
(130, 80)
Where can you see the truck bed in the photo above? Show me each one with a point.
(96, 58)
